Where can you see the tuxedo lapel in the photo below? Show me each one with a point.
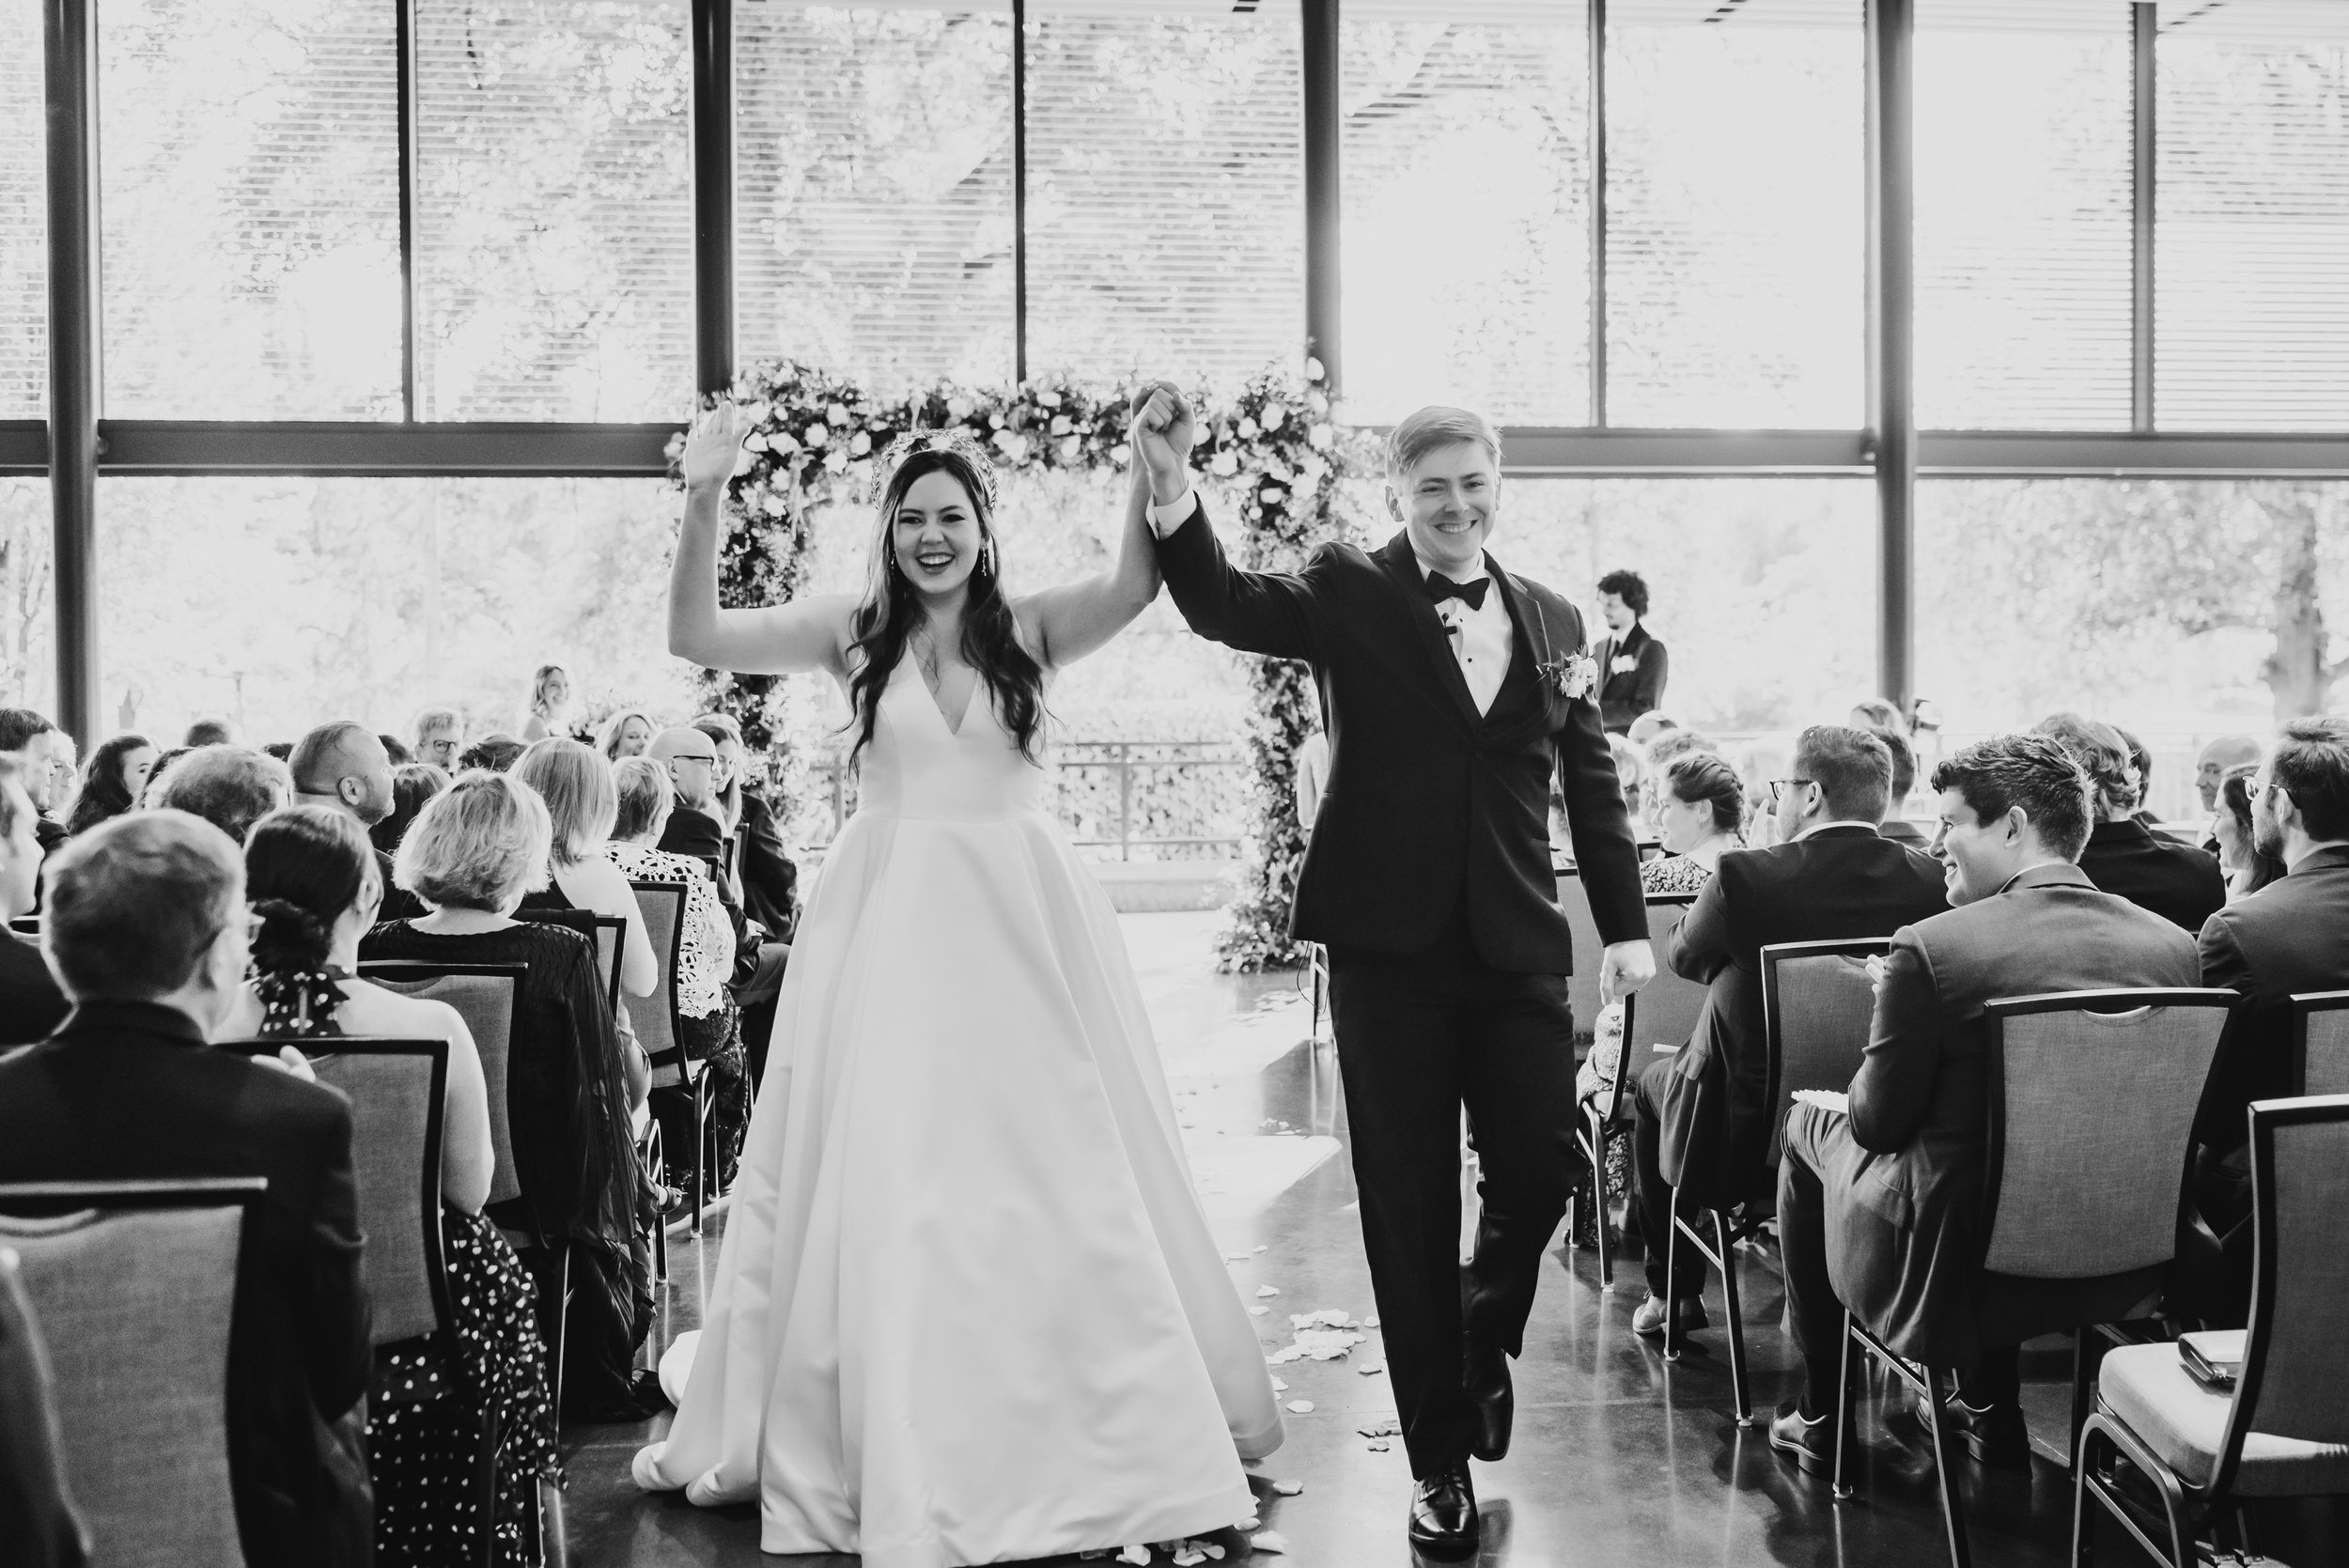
(1532, 649)
(1400, 564)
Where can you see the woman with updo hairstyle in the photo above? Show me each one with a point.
(472, 854)
(2239, 857)
(311, 877)
(111, 781)
(1700, 810)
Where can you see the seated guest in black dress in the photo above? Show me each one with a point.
(1887, 1198)
(146, 930)
(229, 786)
(30, 1004)
(118, 771)
(311, 877)
(472, 854)
(2181, 884)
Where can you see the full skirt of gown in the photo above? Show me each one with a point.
(967, 1308)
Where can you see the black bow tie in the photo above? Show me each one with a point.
(1440, 588)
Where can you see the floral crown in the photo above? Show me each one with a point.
(953, 438)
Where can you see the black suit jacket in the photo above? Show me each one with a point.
(30, 1004)
(398, 903)
(770, 880)
(2290, 935)
(128, 1090)
(1431, 809)
(2181, 884)
(1623, 697)
(1838, 882)
(1903, 1193)
(1900, 830)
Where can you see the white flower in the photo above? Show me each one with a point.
(744, 463)
(959, 407)
(1012, 444)
(1049, 399)
(815, 434)
(1321, 435)
(835, 414)
(1247, 428)
(835, 461)
(755, 440)
(1070, 447)
(1226, 463)
(675, 448)
(782, 441)
(772, 504)
(860, 443)
(1062, 425)
(1314, 369)
(1272, 494)
(1275, 416)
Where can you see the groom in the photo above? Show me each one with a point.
(1451, 690)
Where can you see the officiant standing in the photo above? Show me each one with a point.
(1632, 666)
(1451, 690)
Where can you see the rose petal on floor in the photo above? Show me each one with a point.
(1288, 1489)
(1138, 1555)
(1378, 1445)
(1258, 1311)
(1300, 1406)
(1263, 1290)
(1269, 1540)
(1369, 1372)
(1280, 1386)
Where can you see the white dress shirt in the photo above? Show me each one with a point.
(1482, 639)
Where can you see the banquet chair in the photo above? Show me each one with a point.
(2283, 1430)
(2320, 1042)
(1817, 1002)
(134, 1284)
(663, 1039)
(1670, 1006)
(2081, 1185)
(1583, 982)
(44, 1528)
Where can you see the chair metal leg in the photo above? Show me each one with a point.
(2083, 1528)
(2083, 1378)
(1839, 1485)
(1737, 1326)
(1952, 1509)
(1598, 1194)
(694, 1226)
(1672, 1278)
(562, 1331)
(554, 1538)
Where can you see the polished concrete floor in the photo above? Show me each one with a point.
(1619, 1457)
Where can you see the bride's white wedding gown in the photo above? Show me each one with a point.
(967, 1308)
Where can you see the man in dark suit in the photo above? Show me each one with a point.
(1701, 1115)
(691, 759)
(30, 1004)
(2182, 884)
(24, 738)
(1452, 693)
(146, 929)
(2289, 936)
(1632, 664)
(1886, 1198)
(1896, 824)
(343, 766)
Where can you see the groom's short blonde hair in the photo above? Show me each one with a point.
(1435, 426)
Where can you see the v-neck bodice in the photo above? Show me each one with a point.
(918, 768)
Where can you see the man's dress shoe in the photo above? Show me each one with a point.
(1486, 1382)
(1994, 1435)
(1443, 1512)
(1810, 1444)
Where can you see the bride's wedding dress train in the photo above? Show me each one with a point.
(967, 1308)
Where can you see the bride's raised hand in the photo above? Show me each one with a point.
(714, 445)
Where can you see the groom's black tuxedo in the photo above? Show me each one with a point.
(1429, 880)
(1428, 805)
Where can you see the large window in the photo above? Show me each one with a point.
(23, 344)
(1466, 244)
(1165, 189)
(2252, 228)
(277, 603)
(1735, 202)
(249, 161)
(27, 662)
(873, 207)
(2023, 215)
(555, 244)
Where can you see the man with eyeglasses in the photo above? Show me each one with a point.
(1700, 1116)
(691, 759)
(147, 932)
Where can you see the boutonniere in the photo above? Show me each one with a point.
(1625, 664)
(1571, 675)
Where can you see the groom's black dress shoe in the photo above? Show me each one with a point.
(1443, 1512)
(1486, 1379)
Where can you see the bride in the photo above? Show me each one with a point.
(966, 1308)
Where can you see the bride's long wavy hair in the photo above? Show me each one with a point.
(991, 638)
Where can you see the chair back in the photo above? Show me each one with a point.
(134, 1285)
(655, 1016)
(399, 1095)
(2294, 1382)
(1817, 1006)
(1582, 984)
(1670, 1006)
(2320, 1042)
(484, 996)
(610, 941)
(27, 926)
(2092, 1095)
(32, 1446)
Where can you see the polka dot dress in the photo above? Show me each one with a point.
(433, 1394)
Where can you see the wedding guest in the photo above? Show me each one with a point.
(278, 751)
(311, 877)
(146, 930)
(549, 711)
(2233, 830)
(495, 752)
(164, 760)
(1631, 768)
(2212, 763)
(1676, 742)
(625, 734)
(2141, 761)
(118, 772)
(1648, 725)
(575, 783)
(472, 854)
(1632, 664)
(769, 876)
(341, 766)
(413, 784)
(440, 736)
(694, 830)
(30, 1004)
(1701, 1117)
(65, 777)
(2176, 881)
(706, 1016)
(209, 732)
(763, 952)
(2289, 936)
(1759, 761)
(229, 786)
(1896, 824)
(398, 754)
(1876, 713)
(24, 740)
(726, 736)
(2015, 814)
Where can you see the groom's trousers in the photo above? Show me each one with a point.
(1419, 1036)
